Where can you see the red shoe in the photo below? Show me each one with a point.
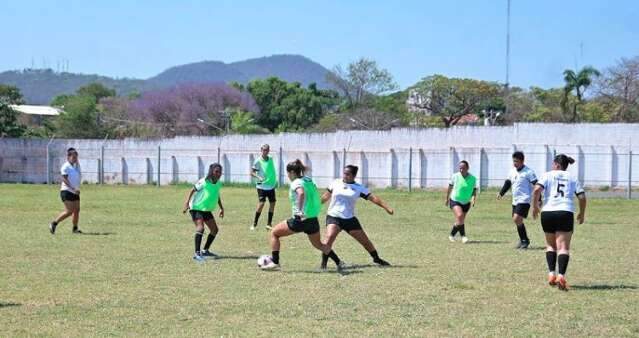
(552, 279)
(562, 284)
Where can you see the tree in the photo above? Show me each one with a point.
(242, 122)
(618, 89)
(577, 82)
(96, 90)
(9, 126)
(452, 98)
(79, 117)
(361, 80)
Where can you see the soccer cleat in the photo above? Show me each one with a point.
(209, 254)
(269, 227)
(341, 266)
(465, 239)
(562, 284)
(252, 228)
(381, 262)
(198, 258)
(524, 245)
(451, 238)
(552, 279)
(270, 267)
(52, 227)
(77, 231)
(519, 244)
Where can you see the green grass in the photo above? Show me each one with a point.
(137, 279)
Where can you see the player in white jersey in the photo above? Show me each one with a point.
(522, 179)
(69, 192)
(557, 215)
(343, 195)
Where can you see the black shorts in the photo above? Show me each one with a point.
(465, 207)
(521, 209)
(309, 226)
(262, 195)
(204, 215)
(346, 224)
(68, 196)
(553, 221)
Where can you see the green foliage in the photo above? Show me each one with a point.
(577, 82)
(80, 116)
(242, 122)
(328, 123)
(361, 81)
(9, 125)
(288, 106)
(96, 90)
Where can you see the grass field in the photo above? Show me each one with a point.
(134, 276)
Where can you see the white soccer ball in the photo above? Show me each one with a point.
(264, 260)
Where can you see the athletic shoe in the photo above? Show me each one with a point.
(252, 228)
(561, 283)
(465, 239)
(269, 227)
(524, 245)
(198, 258)
(52, 227)
(381, 262)
(76, 231)
(519, 245)
(209, 254)
(451, 238)
(341, 266)
(271, 267)
(552, 279)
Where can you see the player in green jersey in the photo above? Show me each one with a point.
(201, 201)
(460, 196)
(263, 170)
(306, 206)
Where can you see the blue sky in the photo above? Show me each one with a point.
(412, 39)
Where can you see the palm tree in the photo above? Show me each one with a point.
(242, 122)
(577, 82)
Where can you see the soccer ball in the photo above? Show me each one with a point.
(264, 260)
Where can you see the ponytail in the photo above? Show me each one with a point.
(296, 167)
(564, 161)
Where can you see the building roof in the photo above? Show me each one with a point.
(36, 110)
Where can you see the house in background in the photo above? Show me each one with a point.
(35, 115)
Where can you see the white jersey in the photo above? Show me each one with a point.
(343, 198)
(72, 171)
(560, 188)
(522, 184)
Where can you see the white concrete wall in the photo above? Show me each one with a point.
(385, 157)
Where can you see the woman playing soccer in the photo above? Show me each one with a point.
(306, 206)
(463, 186)
(264, 171)
(521, 179)
(201, 202)
(69, 192)
(557, 215)
(343, 195)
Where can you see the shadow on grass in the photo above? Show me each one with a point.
(604, 287)
(237, 257)
(366, 266)
(485, 242)
(93, 233)
(343, 272)
(3, 305)
(537, 248)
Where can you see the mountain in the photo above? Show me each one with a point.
(40, 86)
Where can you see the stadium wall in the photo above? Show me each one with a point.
(401, 158)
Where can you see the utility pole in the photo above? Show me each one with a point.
(507, 86)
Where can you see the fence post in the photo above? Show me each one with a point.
(630, 174)
(480, 173)
(219, 155)
(125, 171)
(159, 158)
(410, 169)
(343, 157)
(101, 167)
(48, 165)
(280, 161)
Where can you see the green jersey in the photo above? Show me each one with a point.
(266, 170)
(206, 195)
(312, 201)
(463, 187)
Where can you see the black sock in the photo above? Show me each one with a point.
(54, 223)
(198, 241)
(521, 230)
(453, 232)
(209, 241)
(551, 259)
(270, 218)
(257, 217)
(374, 255)
(276, 257)
(334, 257)
(562, 261)
(462, 230)
(324, 260)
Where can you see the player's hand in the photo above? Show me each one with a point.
(499, 197)
(447, 202)
(580, 218)
(185, 209)
(390, 211)
(77, 191)
(535, 212)
(221, 213)
(473, 205)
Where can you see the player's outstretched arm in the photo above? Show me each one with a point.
(536, 200)
(504, 189)
(582, 208)
(219, 203)
(188, 198)
(326, 196)
(379, 202)
(447, 198)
